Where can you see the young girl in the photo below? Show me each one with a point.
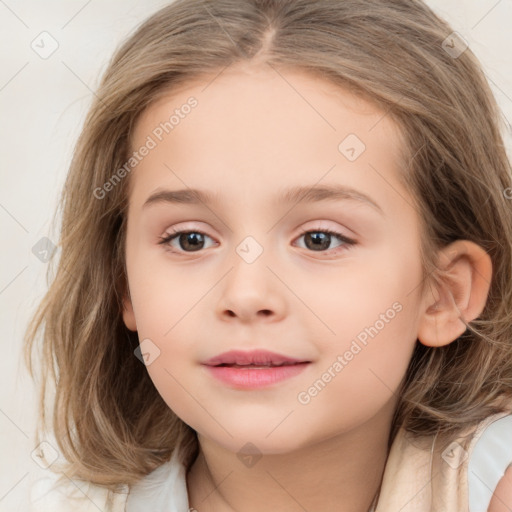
(285, 279)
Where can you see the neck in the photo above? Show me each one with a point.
(346, 469)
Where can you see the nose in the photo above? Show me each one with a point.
(251, 292)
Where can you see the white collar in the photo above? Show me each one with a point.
(162, 490)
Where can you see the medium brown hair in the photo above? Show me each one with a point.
(109, 421)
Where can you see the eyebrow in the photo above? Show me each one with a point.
(298, 194)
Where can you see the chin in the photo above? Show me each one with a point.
(255, 439)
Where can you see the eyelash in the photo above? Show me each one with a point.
(165, 240)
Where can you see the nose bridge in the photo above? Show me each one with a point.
(249, 264)
(250, 249)
(251, 289)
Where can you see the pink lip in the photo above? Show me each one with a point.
(255, 357)
(252, 375)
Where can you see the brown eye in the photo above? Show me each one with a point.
(187, 241)
(320, 240)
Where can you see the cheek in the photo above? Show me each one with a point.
(372, 315)
(165, 295)
(364, 312)
(374, 288)
(362, 367)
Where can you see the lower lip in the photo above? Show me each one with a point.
(252, 378)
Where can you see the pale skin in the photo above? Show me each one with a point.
(502, 497)
(250, 137)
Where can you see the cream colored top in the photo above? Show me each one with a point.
(420, 476)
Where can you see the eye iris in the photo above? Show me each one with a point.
(193, 240)
(320, 240)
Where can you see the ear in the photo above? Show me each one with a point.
(128, 314)
(463, 281)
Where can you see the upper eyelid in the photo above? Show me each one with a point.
(318, 225)
(333, 231)
(302, 231)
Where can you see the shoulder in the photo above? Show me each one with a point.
(449, 472)
(502, 497)
(51, 490)
(490, 465)
(54, 492)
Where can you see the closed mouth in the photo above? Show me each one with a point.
(254, 366)
(254, 358)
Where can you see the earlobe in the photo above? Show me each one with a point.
(463, 282)
(128, 314)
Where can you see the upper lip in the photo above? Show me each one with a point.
(255, 357)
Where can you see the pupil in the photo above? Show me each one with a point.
(193, 240)
(320, 240)
(315, 240)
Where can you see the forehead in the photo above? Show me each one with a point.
(255, 129)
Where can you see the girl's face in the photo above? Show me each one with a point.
(247, 277)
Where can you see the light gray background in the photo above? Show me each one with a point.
(43, 103)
